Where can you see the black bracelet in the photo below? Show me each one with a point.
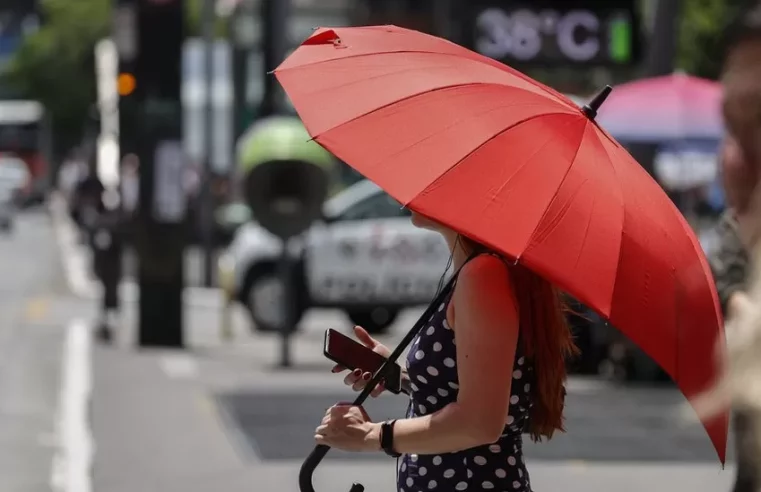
(387, 438)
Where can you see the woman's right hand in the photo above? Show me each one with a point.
(358, 379)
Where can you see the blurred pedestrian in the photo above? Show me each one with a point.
(97, 211)
(107, 243)
(72, 171)
(739, 234)
(130, 184)
(86, 201)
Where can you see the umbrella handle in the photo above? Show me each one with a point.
(319, 451)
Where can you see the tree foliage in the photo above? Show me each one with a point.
(701, 35)
(56, 65)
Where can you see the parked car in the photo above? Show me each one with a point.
(364, 257)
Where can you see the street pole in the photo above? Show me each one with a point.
(206, 207)
(240, 25)
(661, 60)
(275, 42)
(151, 126)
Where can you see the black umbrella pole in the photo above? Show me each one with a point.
(319, 451)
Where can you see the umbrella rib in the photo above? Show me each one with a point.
(554, 198)
(478, 58)
(623, 221)
(482, 144)
(424, 93)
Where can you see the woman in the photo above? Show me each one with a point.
(489, 365)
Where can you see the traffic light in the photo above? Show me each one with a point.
(125, 84)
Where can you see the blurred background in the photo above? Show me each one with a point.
(129, 131)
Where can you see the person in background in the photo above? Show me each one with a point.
(97, 212)
(738, 229)
(129, 183)
(107, 243)
(73, 170)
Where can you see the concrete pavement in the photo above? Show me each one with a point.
(35, 307)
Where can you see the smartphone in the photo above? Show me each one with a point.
(353, 355)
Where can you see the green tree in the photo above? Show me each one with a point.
(55, 65)
(701, 35)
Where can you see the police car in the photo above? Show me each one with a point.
(364, 257)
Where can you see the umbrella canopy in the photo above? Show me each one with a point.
(520, 168)
(667, 108)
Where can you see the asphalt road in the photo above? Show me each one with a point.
(604, 422)
(33, 302)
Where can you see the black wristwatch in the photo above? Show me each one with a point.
(387, 438)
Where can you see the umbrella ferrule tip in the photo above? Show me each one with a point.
(593, 106)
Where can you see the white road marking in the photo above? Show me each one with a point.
(178, 366)
(73, 459)
(585, 385)
(73, 258)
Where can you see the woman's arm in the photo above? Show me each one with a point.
(487, 337)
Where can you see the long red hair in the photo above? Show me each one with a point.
(548, 342)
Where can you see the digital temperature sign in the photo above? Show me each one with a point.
(558, 33)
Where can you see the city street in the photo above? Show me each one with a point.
(36, 311)
(223, 416)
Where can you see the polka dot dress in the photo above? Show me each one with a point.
(432, 369)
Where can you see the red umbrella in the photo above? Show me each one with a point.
(520, 168)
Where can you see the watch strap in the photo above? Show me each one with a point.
(387, 438)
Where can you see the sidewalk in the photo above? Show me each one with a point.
(160, 422)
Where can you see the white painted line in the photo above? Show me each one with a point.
(177, 366)
(585, 385)
(72, 255)
(72, 462)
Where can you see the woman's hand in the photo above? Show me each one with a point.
(358, 379)
(349, 428)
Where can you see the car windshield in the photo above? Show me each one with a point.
(349, 197)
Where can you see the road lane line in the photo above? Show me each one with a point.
(74, 260)
(72, 462)
(179, 366)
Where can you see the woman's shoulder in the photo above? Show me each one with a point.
(486, 273)
(484, 295)
(486, 265)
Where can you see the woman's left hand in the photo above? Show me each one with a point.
(349, 428)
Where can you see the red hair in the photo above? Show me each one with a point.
(548, 343)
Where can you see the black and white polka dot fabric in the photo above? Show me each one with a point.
(432, 367)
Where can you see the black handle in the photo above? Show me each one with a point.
(319, 452)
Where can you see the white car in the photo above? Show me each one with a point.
(14, 176)
(365, 257)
